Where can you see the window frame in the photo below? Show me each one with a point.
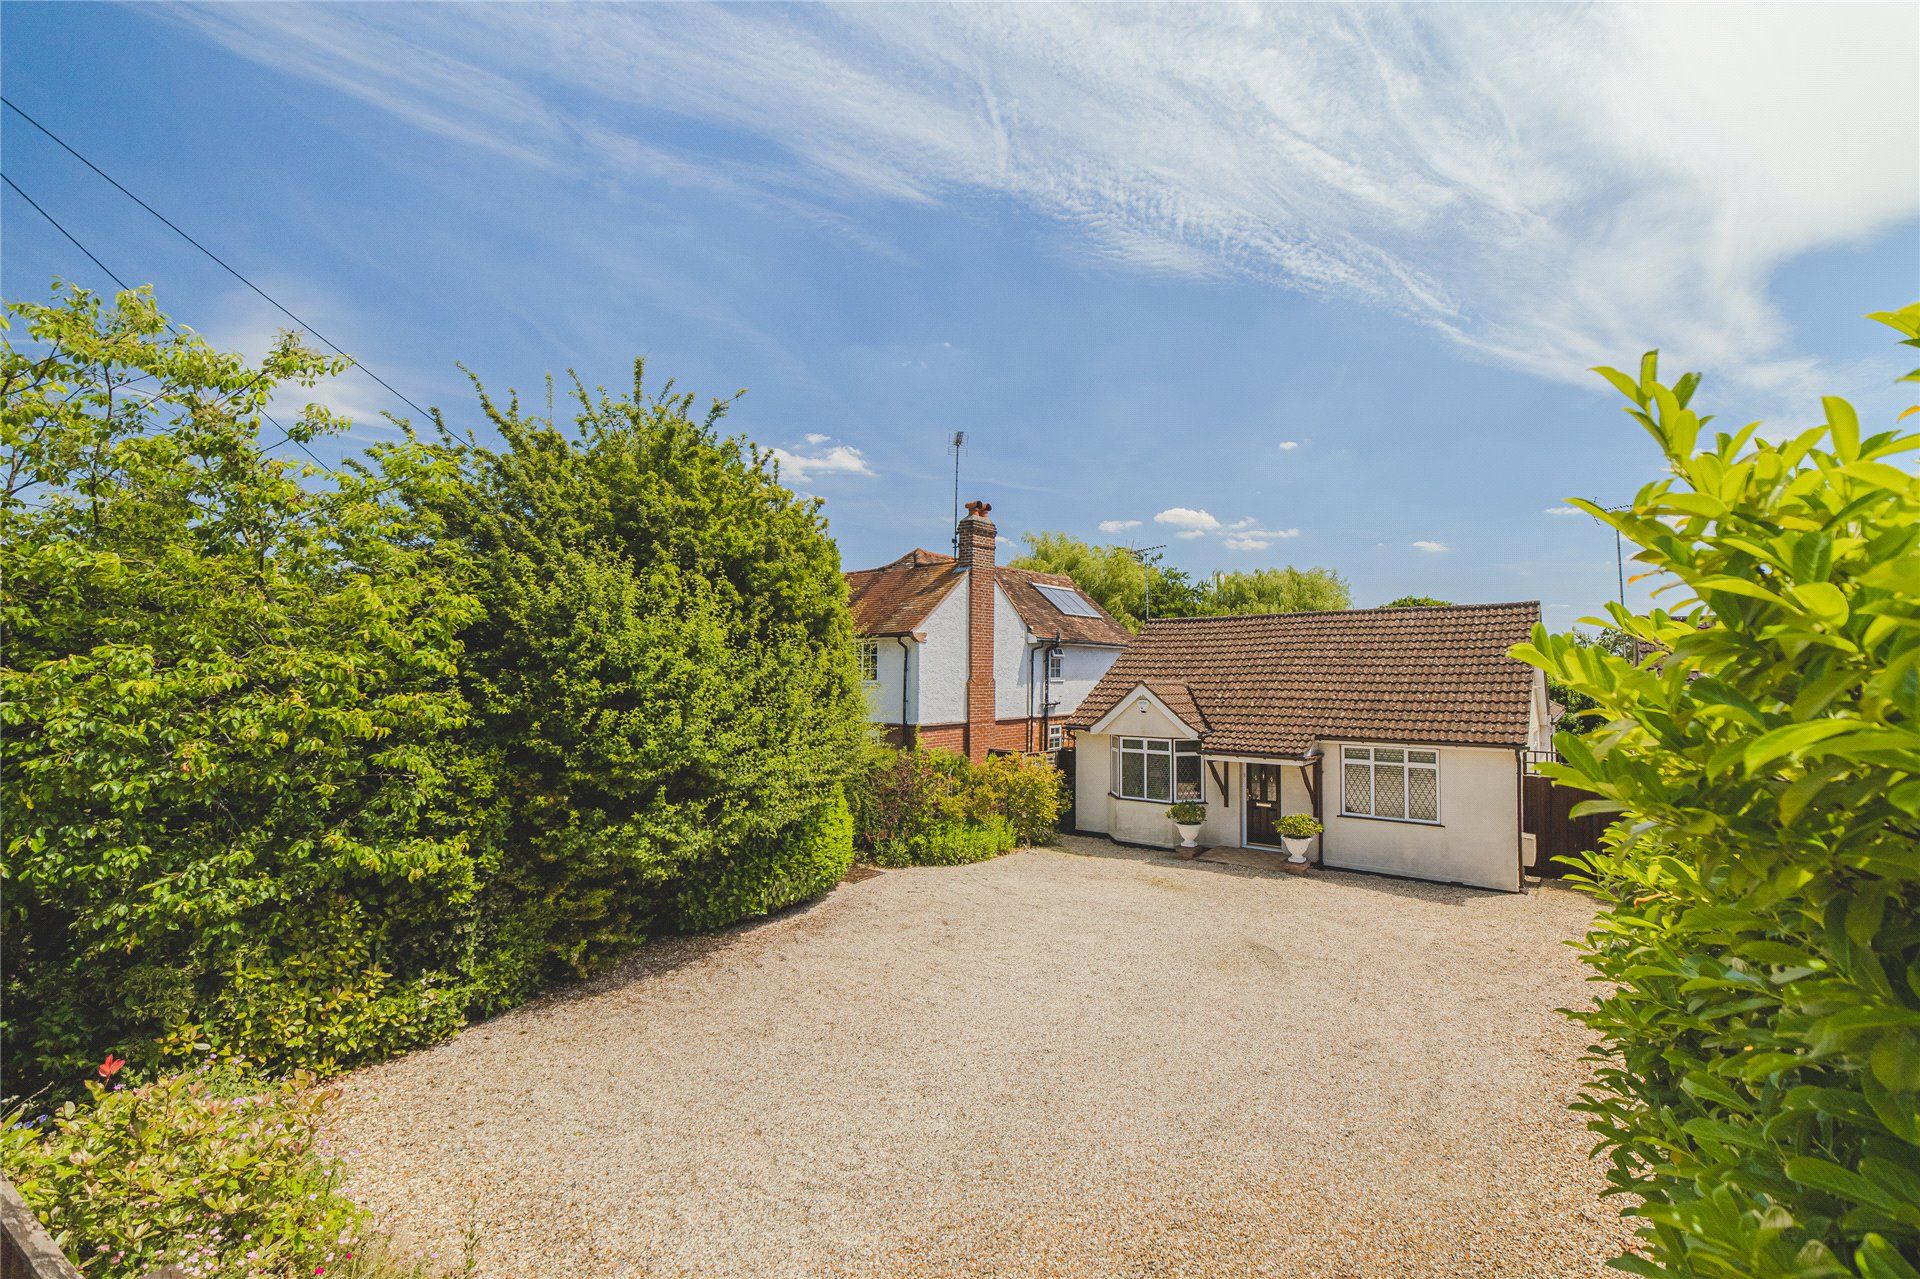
(1174, 750)
(1056, 737)
(1056, 664)
(1367, 753)
(869, 661)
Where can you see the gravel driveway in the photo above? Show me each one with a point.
(1073, 1061)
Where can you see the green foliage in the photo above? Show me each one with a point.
(664, 673)
(795, 865)
(231, 720)
(1416, 601)
(1298, 826)
(1608, 639)
(1118, 580)
(909, 805)
(198, 1169)
(1029, 792)
(949, 843)
(1269, 590)
(1188, 812)
(308, 773)
(1759, 952)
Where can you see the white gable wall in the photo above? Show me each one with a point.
(1011, 661)
(943, 661)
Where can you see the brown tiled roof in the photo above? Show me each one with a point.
(896, 598)
(1179, 700)
(1272, 685)
(1042, 618)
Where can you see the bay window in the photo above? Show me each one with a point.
(1156, 769)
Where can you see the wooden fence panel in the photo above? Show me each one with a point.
(1556, 831)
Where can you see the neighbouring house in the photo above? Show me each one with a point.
(1404, 730)
(960, 653)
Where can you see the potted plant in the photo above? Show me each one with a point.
(1296, 830)
(1187, 816)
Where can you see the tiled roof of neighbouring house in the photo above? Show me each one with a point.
(1042, 618)
(896, 598)
(1272, 685)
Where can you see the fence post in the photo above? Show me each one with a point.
(27, 1251)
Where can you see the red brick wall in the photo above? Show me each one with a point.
(1001, 735)
(977, 538)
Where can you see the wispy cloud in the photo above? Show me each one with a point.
(1562, 510)
(1118, 526)
(803, 468)
(1431, 548)
(1549, 186)
(1287, 446)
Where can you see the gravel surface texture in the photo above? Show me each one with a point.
(1080, 1061)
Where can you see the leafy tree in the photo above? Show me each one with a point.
(237, 815)
(663, 675)
(1115, 577)
(1118, 579)
(1416, 601)
(1276, 590)
(1758, 955)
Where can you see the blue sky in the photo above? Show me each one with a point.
(1308, 285)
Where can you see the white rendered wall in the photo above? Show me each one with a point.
(883, 694)
(1013, 661)
(1477, 840)
(942, 673)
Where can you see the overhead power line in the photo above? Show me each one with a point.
(285, 434)
(105, 269)
(224, 265)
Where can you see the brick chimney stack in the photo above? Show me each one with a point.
(977, 538)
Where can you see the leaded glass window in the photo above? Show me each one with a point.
(1398, 782)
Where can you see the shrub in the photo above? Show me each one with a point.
(1759, 951)
(1188, 812)
(949, 843)
(664, 674)
(232, 772)
(1298, 826)
(900, 799)
(201, 1169)
(1029, 792)
(774, 872)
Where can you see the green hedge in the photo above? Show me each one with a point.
(310, 772)
(1757, 1090)
(953, 843)
(773, 873)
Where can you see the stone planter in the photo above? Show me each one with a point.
(1297, 848)
(1189, 835)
